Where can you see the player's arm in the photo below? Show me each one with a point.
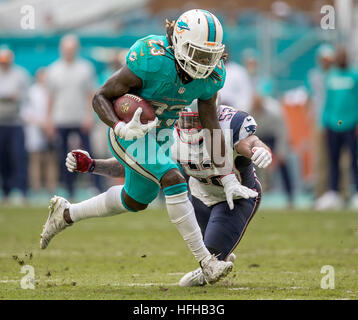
(81, 161)
(209, 120)
(253, 148)
(109, 167)
(120, 83)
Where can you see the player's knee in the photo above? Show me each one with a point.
(132, 204)
(173, 183)
(115, 199)
(171, 178)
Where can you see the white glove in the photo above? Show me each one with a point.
(79, 160)
(233, 188)
(134, 128)
(261, 157)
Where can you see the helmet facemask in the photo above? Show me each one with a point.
(190, 129)
(199, 62)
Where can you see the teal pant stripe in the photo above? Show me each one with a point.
(176, 189)
(211, 25)
(124, 204)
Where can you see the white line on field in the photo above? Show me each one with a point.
(176, 273)
(14, 281)
(150, 284)
(260, 288)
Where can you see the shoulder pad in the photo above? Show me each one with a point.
(146, 56)
(243, 125)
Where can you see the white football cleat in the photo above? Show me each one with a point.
(354, 201)
(214, 269)
(331, 200)
(55, 221)
(193, 279)
(196, 278)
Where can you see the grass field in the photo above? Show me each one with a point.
(141, 256)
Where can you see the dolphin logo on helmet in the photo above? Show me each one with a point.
(182, 26)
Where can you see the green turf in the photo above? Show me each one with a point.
(141, 256)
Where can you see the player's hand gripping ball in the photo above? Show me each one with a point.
(136, 116)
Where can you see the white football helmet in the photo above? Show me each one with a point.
(197, 42)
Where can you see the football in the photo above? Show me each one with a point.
(126, 106)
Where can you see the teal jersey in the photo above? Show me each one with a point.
(152, 59)
(340, 112)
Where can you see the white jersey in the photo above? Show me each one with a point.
(205, 183)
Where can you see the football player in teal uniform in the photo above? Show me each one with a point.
(169, 71)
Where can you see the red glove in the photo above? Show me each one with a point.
(79, 160)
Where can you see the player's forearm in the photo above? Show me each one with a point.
(120, 83)
(109, 167)
(245, 146)
(104, 109)
(209, 121)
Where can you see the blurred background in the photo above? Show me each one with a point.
(292, 65)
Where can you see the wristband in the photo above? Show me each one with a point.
(92, 166)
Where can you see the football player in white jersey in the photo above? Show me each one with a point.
(223, 209)
(222, 217)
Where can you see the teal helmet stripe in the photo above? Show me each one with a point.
(211, 26)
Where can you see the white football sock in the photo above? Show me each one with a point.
(105, 204)
(181, 214)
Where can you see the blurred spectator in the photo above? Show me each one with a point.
(316, 89)
(267, 112)
(237, 90)
(325, 57)
(70, 82)
(42, 158)
(259, 82)
(295, 111)
(14, 83)
(340, 121)
(272, 130)
(99, 133)
(284, 16)
(116, 61)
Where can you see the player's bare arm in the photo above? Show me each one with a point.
(109, 168)
(209, 120)
(253, 148)
(120, 83)
(81, 161)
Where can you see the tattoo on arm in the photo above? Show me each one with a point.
(109, 167)
(120, 83)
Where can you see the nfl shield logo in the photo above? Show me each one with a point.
(181, 90)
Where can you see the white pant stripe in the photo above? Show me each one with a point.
(128, 159)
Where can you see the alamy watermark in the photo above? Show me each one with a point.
(328, 21)
(156, 147)
(28, 280)
(328, 280)
(27, 21)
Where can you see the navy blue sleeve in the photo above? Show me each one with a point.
(242, 126)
